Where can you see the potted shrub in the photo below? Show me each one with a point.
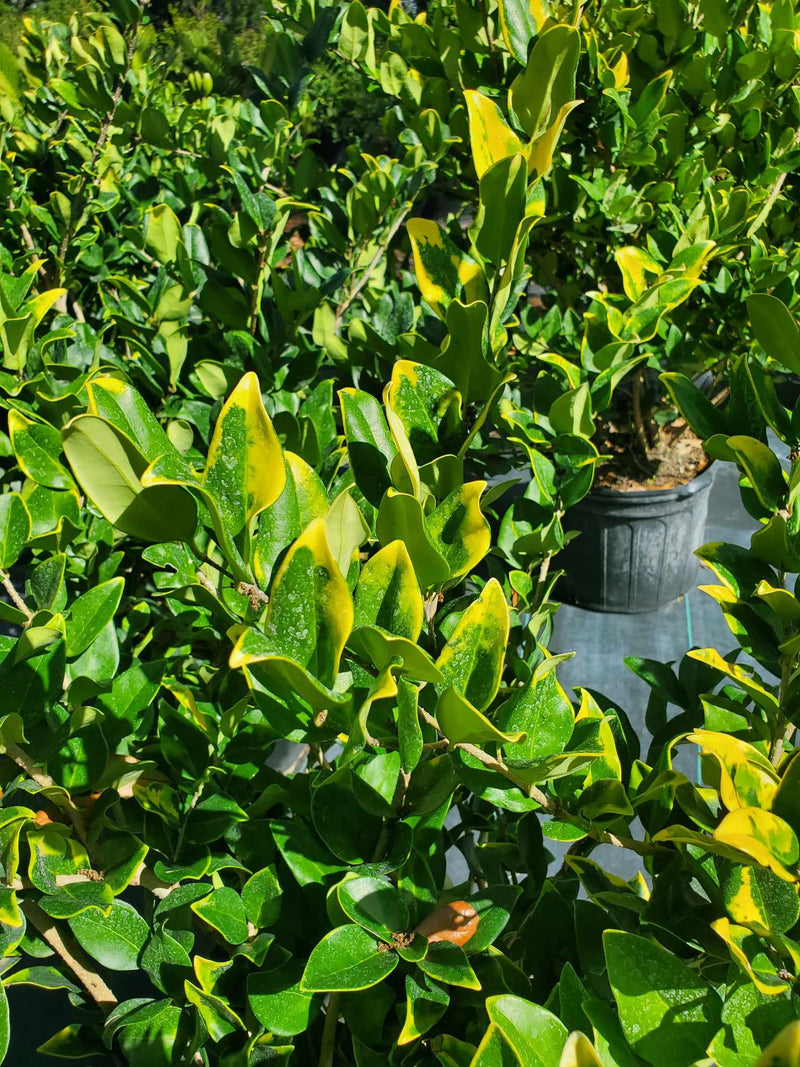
(648, 179)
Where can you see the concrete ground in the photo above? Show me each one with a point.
(602, 640)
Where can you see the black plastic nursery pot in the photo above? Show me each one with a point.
(635, 550)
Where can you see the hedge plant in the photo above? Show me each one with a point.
(287, 771)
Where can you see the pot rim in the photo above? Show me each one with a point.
(643, 496)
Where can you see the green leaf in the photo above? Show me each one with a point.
(388, 593)
(261, 896)
(409, 731)
(495, 1050)
(494, 906)
(347, 815)
(448, 963)
(491, 138)
(37, 446)
(650, 99)
(503, 189)
(114, 940)
(541, 709)
(346, 530)
(90, 613)
(668, 1012)
(425, 1005)
(347, 958)
(244, 472)
(46, 582)
(164, 233)
(310, 613)
(149, 1035)
(536, 1035)
(548, 82)
(356, 37)
(224, 911)
(464, 357)
(571, 412)
(374, 904)
(775, 330)
(120, 404)
(165, 961)
(15, 528)
(519, 21)
(472, 660)
(370, 447)
(303, 499)
(762, 468)
(400, 517)
(108, 467)
(41, 978)
(277, 1001)
(775, 414)
(459, 530)
(705, 419)
(5, 1024)
(750, 1020)
(74, 1042)
(304, 853)
(217, 1015)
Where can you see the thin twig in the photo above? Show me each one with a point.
(763, 214)
(348, 300)
(28, 241)
(184, 822)
(642, 435)
(80, 965)
(43, 780)
(23, 760)
(14, 596)
(149, 880)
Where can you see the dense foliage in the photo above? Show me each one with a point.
(291, 438)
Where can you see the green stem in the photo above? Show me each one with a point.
(784, 728)
(14, 596)
(258, 286)
(382, 248)
(482, 417)
(328, 1046)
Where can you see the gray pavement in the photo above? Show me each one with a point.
(602, 640)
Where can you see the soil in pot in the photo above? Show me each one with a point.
(673, 457)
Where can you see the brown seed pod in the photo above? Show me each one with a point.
(455, 922)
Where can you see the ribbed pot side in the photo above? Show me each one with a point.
(635, 550)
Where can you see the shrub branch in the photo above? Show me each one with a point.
(73, 956)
